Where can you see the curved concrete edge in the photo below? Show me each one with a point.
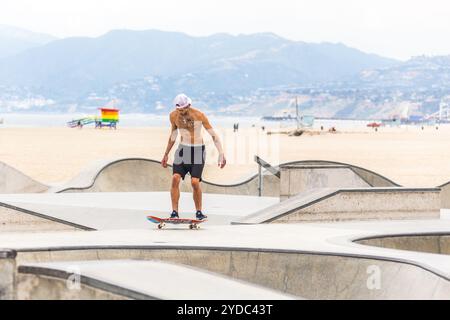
(296, 206)
(17, 218)
(15, 181)
(148, 279)
(313, 275)
(397, 235)
(87, 178)
(430, 242)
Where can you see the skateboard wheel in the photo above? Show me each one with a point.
(191, 226)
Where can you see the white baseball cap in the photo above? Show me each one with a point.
(182, 101)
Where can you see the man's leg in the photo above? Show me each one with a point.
(197, 193)
(175, 191)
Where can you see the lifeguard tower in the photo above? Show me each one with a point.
(109, 118)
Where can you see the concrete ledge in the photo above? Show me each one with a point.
(352, 204)
(7, 274)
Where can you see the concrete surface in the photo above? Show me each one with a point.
(127, 210)
(316, 260)
(351, 204)
(297, 179)
(135, 279)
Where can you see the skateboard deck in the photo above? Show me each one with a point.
(193, 223)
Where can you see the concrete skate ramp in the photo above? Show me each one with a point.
(372, 178)
(15, 218)
(316, 261)
(445, 195)
(351, 204)
(296, 179)
(144, 175)
(113, 211)
(139, 174)
(14, 181)
(432, 243)
(133, 279)
(302, 274)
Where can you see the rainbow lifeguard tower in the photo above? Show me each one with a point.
(109, 118)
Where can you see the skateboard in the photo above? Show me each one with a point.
(193, 223)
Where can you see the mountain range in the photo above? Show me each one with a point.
(219, 63)
(243, 74)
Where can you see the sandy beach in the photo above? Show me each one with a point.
(409, 156)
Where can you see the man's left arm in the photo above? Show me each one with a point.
(208, 127)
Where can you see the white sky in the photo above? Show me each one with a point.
(393, 28)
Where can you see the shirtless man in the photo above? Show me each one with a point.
(190, 155)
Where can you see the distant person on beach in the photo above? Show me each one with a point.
(190, 154)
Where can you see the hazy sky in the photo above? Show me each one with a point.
(393, 28)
